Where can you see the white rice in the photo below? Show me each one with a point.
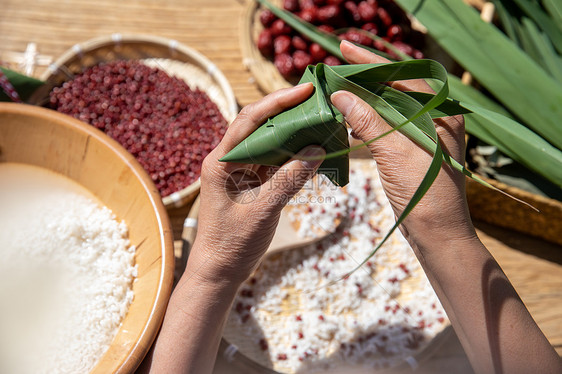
(65, 279)
(296, 314)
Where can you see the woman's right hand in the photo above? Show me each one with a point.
(402, 164)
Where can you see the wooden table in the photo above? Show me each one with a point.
(212, 27)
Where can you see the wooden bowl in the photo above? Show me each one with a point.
(169, 55)
(60, 143)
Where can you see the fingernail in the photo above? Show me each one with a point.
(350, 44)
(312, 156)
(343, 101)
(302, 85)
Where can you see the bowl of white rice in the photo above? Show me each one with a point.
(87, 248)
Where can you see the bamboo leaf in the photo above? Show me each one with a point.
(543, 50)
(506, 82)
(282, 136)
(525, 41)
(465, 93)
(528, 35)
(312, 122)
(553, 29)
(448, 108)
(506, 19)
(24, 85)
(516, 141)
(554, 8)
(496, 62)
(388, 107)
(492, 124)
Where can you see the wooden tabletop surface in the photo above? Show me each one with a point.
(212, 28)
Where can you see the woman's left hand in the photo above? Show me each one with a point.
(241, 203)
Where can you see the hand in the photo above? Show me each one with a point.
(402, 164)
(241, 203)
(492, 323)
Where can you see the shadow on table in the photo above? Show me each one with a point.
(523, 243)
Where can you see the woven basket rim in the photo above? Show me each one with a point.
(263, 71)
(190, 56)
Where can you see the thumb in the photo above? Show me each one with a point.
(366, 123)
(291, 177)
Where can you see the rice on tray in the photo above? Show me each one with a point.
(291, 316)
(65, 279)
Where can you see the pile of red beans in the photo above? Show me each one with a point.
(292, 52)
(167, 126)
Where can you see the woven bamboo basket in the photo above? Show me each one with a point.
(174, 58)
(264, 71)
(492, 207)
(485, 204)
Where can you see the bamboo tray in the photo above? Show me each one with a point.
(45, 138)
(241, 357)
(169, 55)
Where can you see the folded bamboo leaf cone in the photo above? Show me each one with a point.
(313, 122)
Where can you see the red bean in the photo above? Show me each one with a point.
(279, 27)
(299, 43)
(282, 44)
(366, 11)
(310, 15)
(267, 17)
(317, 52)
(291, 5)
(301, 60)
(329, 14)
(284, 63)
(332, 61)
(154, 116)
(265, 43)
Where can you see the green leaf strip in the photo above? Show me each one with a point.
(24, 86)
